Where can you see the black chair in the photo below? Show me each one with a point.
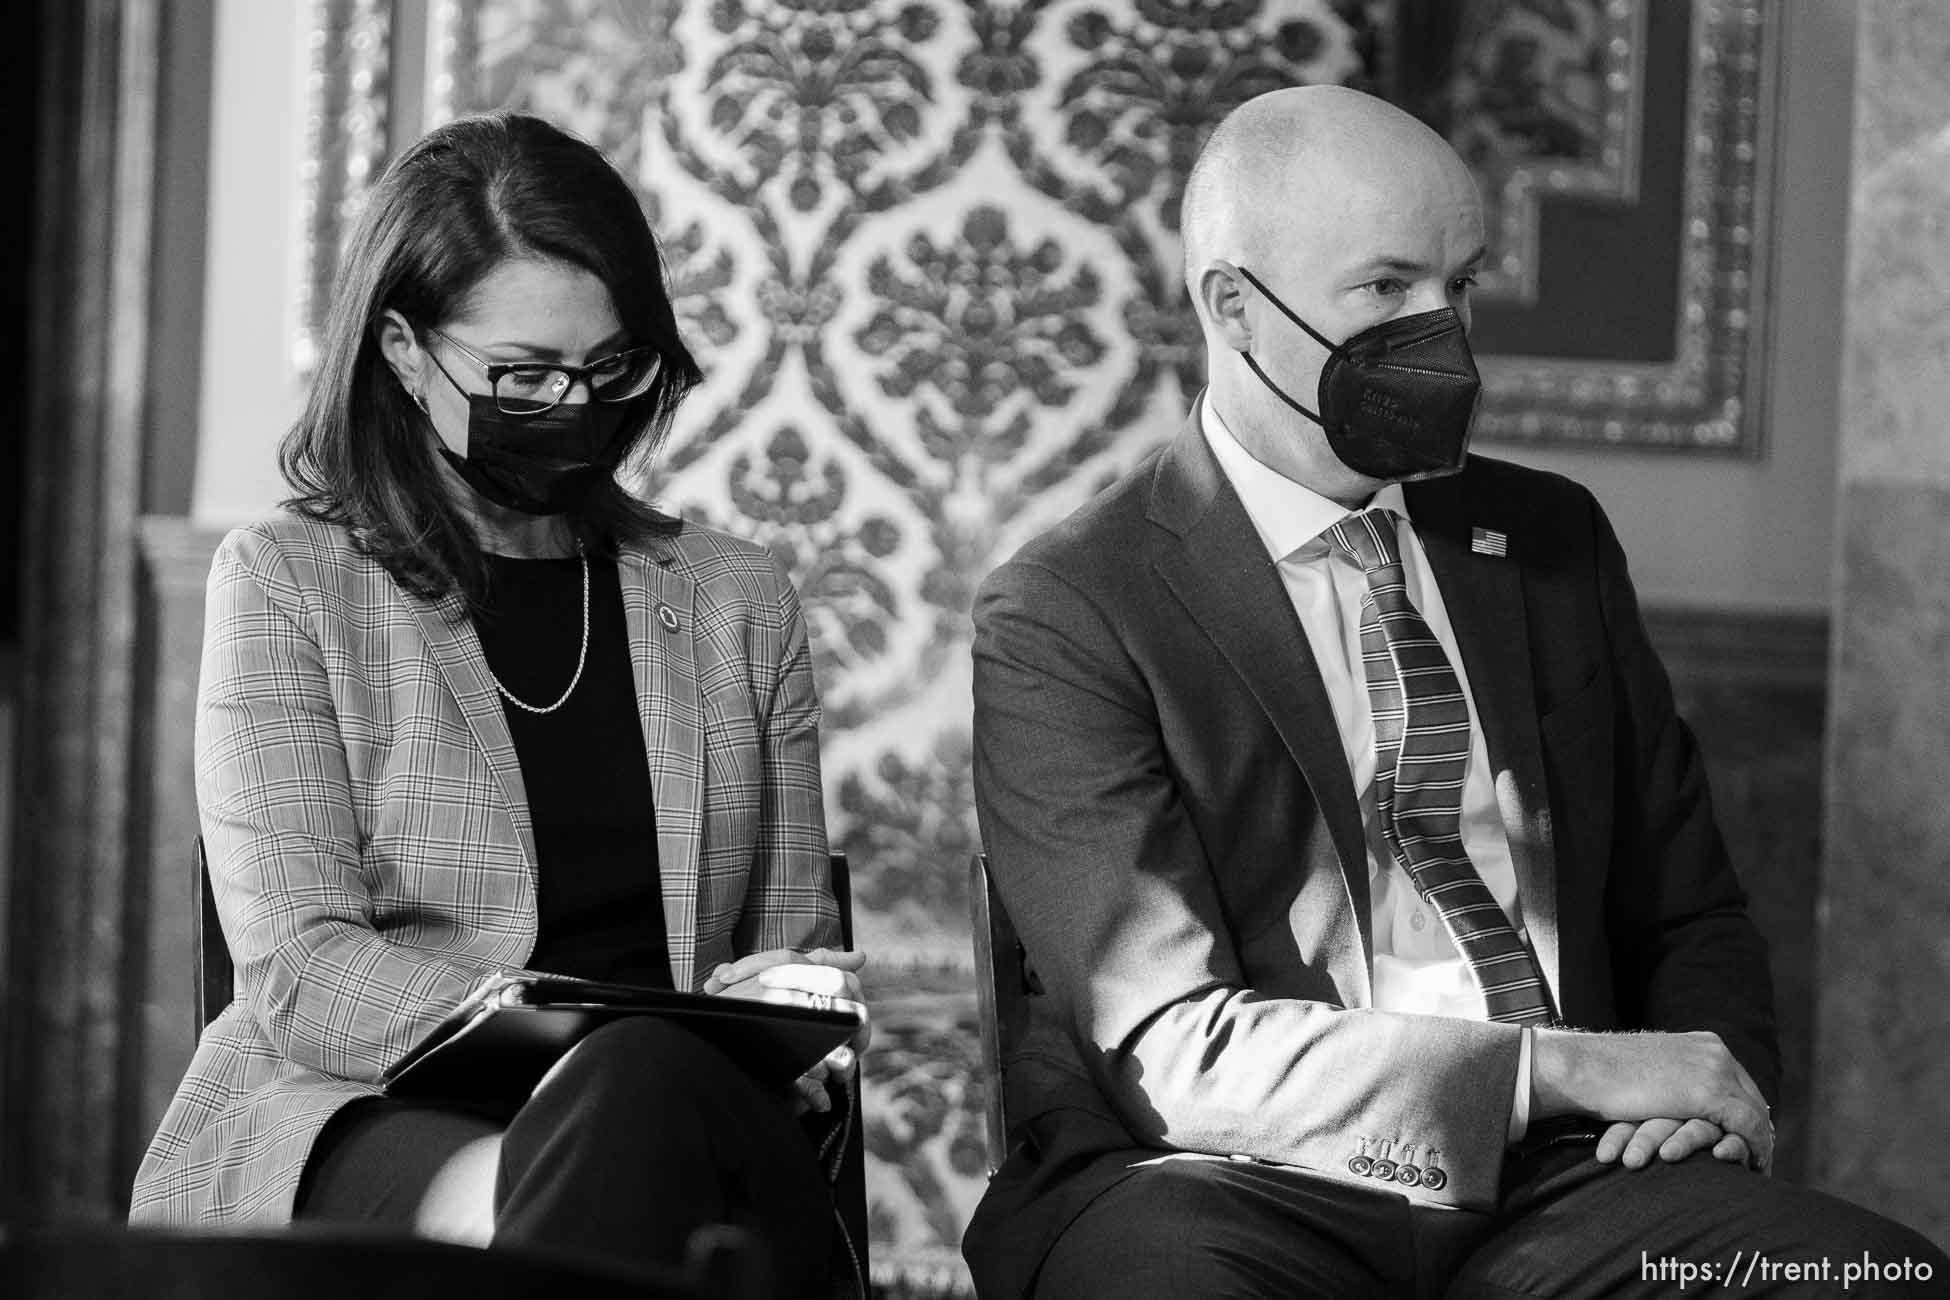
(1004, 983)
(315, 1262)
(216, 986)
(216, 980)
(850, 1188)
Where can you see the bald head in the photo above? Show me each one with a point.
(1288, 160)
(1313, 214)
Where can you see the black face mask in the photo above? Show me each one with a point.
(543, 464)
(1397, 399)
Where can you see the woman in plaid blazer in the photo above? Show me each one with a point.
(400, 797)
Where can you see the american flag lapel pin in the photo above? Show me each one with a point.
(1487, 541)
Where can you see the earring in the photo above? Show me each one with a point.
(419, 399)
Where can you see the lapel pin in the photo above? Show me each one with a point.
(1487, 541)
(668, 617)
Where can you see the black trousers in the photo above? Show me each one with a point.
(1568, 1227)
(641, 1135)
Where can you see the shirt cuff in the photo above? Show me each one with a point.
(1520, 1104)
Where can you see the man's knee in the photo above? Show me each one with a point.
(1774, 1220)
(1863, 1253)
(1214, 1230)
(1782, 1239)
(1606, 1230)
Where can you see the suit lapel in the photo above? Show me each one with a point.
(456, 649)
(1215, 564)
(1484, 596)
(659, 609)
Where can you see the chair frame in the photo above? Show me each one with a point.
(216, 976)
(1004, 983)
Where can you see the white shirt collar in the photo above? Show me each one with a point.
(1287, 515)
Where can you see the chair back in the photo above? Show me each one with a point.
(850, 1189)
(840, 879)
(1004, 983)
(215, 979)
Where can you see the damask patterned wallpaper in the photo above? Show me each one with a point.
(927, 253)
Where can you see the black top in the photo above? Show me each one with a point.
(588, 779)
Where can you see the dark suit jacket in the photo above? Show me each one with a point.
(1173, 828)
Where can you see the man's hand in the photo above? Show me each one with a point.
(1670, 1078)
(793, 978)
(1634, 1144)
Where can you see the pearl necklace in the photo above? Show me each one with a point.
(582, 656)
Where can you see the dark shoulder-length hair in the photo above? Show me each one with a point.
(461, 201)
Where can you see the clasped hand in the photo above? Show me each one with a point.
(790, 977)
(1667, 1094)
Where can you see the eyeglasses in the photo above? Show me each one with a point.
(531, 387)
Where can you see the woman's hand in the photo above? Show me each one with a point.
(809, 1089)
(792, 978)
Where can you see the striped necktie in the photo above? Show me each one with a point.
(1421, 727)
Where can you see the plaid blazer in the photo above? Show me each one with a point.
(368, 834)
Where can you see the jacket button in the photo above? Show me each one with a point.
(1434, 1179)
(1384, 1170)
(1407, 1175)
(1360, 1165)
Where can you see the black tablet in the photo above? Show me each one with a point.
(507, 1033)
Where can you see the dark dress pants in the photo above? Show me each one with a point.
(641, 1135)
(1568, 1227)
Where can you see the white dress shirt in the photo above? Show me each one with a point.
(1416, 965)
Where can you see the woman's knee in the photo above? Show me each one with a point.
(638, 1061)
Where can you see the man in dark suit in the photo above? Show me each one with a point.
(1342, 808)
